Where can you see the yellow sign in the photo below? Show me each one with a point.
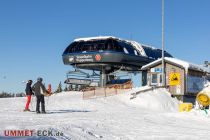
(174, 79)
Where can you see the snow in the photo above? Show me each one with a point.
(182, 63)
(138, 47)
(94, 38)
(206, 88)
(156, 100)
(135, 44)
(188, 65)
(151, 115)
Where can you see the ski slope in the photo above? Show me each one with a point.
(152, 116)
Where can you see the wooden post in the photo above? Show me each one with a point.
(116, 90)
(105, 91)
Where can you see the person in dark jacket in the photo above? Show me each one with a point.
(29, 93)
(39, 90)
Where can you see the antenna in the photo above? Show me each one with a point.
(163, 65)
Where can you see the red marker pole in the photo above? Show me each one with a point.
(49, 89)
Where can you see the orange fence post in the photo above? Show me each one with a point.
(49, 89)
(105, 91)
(116, 90)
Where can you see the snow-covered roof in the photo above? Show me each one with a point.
(107, 37)
(135, 44)
(186, 65)
(138, 47)
(94, 38)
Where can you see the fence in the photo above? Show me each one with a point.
(110, 90)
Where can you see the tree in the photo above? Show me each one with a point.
(66, 88)
(59, 89)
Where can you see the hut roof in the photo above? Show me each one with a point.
(186, 65)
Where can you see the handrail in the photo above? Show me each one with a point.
(145, 90)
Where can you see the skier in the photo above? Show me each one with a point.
(39, 90)
(29, 93)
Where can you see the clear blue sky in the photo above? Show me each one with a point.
(33, 34)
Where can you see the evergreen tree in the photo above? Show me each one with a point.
(66, 88)
(59, 89)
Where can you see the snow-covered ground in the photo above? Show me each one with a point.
(152, 115)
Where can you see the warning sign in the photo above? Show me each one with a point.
(174, 79)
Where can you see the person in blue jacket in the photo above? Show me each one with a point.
(29, 93)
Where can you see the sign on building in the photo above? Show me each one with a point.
(78, 81)
(174, 79)
(156, 70)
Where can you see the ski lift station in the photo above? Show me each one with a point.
(109, 58)
(113, 60)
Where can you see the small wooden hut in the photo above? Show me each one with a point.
(184, 79)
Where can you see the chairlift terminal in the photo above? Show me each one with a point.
(107, 55)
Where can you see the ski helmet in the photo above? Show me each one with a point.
(30, 81)
(39, 79)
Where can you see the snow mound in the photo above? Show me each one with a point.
(110, 118)
(206, 88)
(156, 100)
(199, 113)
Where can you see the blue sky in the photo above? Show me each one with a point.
(33, 34)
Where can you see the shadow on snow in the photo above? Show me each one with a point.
(67, 111)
